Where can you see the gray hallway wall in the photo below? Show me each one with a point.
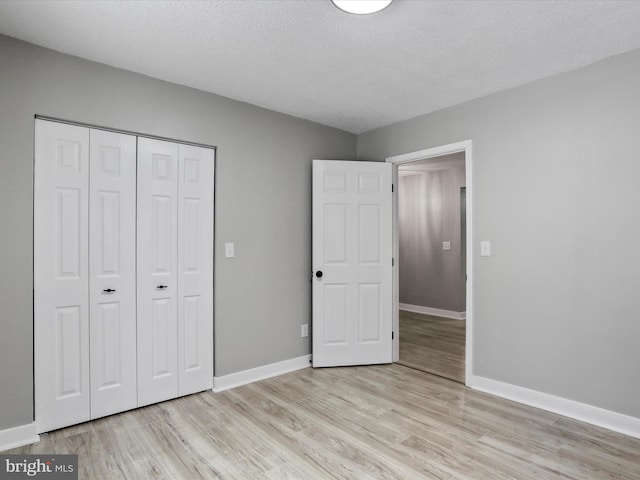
(556, 172)
(263, 202)
(428, 214)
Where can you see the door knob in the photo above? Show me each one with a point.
(319, 274)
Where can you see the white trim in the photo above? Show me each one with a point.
(436, 312)
(431, 152)
(465, 146)
(18, 436)
(617, 422)
(244, 377)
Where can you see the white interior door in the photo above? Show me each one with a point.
(195, 269)
(112, 270)
(352, 270)
(157, 270)
(61, 296)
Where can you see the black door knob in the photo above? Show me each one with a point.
(319, 274)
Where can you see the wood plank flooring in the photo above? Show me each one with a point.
(374, 422)
(433, 344)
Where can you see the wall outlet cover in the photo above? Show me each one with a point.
(485, 248)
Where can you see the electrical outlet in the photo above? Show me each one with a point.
(304, 330)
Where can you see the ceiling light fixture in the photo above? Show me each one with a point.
(362, 7)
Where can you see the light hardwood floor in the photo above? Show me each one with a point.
(375, 422)
(433, 344)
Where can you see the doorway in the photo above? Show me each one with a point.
(432, 267)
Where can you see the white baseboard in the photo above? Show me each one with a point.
(600, 417)
(433, 311)
(18, 436)
(233, 380)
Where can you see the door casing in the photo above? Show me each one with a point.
(466, 147)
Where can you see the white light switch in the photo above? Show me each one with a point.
(446, 245)
(304, 330)
(229, 250)
(485, 248)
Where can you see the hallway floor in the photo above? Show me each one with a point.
(433, 344)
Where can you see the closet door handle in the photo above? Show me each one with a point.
(108, 290)
(161, 287)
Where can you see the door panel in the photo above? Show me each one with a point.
(162, 338)
(70, 362)
(191, 350)
(108, 367)
(157, 270)
(162, 235)
(352, 316)
(61, 296)
(68, 233)
(369, 312)
(369, 235)
(112, 268)
(108, 218)
(336, 313)
(195, 269)
(335, 233)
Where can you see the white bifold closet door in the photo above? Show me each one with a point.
(195, 268)
(157, 270)
(175, 270)
(61, 274)
(84, 274)
(123, 272)
(112, 270)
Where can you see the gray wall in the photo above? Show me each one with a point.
(556, 188)
(263, 196)
(428, 214)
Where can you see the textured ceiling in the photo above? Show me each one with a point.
(308, 59)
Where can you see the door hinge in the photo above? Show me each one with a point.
(392, 188)
(393, 262)
(392, 336)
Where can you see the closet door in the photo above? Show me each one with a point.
(157, 270)
(61, 296)
(195, 269)
(112, 270)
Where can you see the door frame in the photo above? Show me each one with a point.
(466, 147)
